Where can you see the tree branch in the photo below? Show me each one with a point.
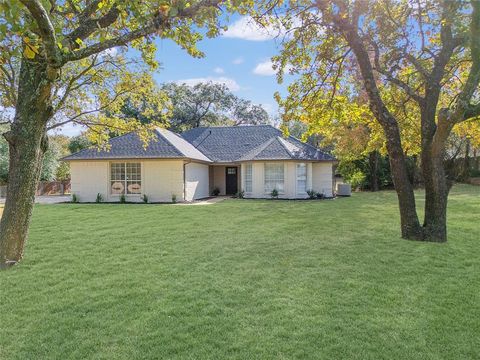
(153, 26)
(47, 32)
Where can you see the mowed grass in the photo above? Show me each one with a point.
(244, 279)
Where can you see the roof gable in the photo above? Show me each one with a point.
(242, 143)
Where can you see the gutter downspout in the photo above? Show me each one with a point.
(185, 163)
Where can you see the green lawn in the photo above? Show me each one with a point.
(244, 279)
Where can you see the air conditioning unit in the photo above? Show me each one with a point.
(344, 190)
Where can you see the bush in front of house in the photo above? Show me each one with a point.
(216, 191)
(145, 198)
(312, 194)
(240, 194)
(123, 199)
(274, 194)
(75, 198)
(174, 198)
(99, 198)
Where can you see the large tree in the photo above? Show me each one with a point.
(428, 50)
(60, 47)
(209, 104)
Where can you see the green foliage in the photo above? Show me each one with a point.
(52, 168)
(312, 194)
(123, 199)
(357, 180)
(99, 198)
(216, 191)
(78, 143)
(75, 198)
(240, 194)
(174, 198)
(274, 194)
(145, 198)
(210, 104)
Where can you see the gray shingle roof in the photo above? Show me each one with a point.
(218, 144)
(166, 145)
(243, 143)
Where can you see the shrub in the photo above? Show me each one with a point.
(99, 198)
(274, 194)
(145, 198)
(75, 198)
(312, 194)
(357, 180)
(174, 198)
(320, 195)
(240, 194)
(216, 191)
(123, 199)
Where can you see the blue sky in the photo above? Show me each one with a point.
(240, 58)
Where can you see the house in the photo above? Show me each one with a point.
(189, 166)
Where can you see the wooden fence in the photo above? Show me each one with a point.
(45, 188)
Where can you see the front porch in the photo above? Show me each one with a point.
(225, 177)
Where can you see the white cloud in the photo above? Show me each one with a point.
(247, 29)
(219, 70)
(238, 60)
(230, 83)
(264, 69)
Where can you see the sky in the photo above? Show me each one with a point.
(239, 58)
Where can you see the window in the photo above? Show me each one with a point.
(125, 178)
(301, 178)
(274, 178)
(248, 178)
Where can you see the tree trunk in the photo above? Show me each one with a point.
(437, 188)
(410, 225)
(476, 161)
(373, 162)
(466, 161)
(27, 143)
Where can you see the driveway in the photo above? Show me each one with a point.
(52, 199)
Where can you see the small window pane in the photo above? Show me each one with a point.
(274, 177)
(248, 178)
(301, 178)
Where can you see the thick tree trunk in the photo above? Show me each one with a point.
(27, 143)
(437, 188)
(466, 162)
(373, 162)
(411, 229)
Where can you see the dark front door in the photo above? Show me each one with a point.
(231, 182)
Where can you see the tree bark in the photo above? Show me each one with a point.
(373, 162)
(466, 161)
(27, 143)
(437, 186)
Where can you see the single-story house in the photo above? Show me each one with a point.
(189, 166)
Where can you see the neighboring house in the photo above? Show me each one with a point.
(255, 159)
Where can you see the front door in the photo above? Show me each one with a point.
(231, 180)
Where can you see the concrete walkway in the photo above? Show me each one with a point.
(52, 199)
(208, 201)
